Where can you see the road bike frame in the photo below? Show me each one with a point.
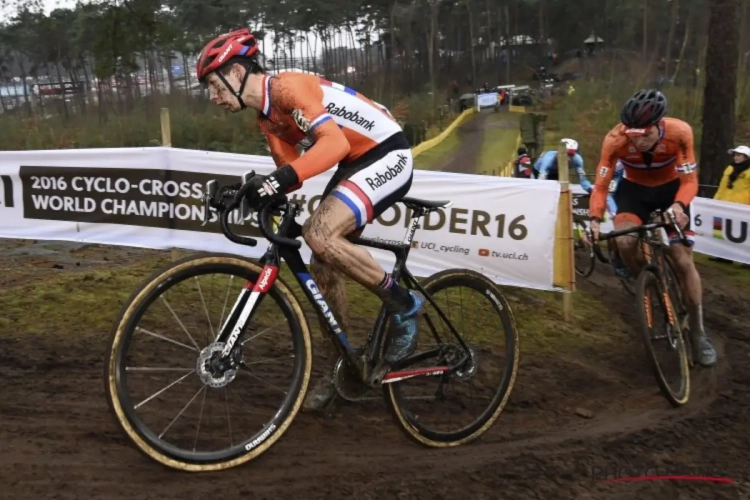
(371, 368)
(654, 255)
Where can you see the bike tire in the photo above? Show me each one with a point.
(588, 263)
(646, 279)
(146, 440)
(435, 439)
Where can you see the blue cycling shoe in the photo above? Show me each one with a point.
(405, 330)
(621, 270)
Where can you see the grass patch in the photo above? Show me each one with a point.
(499, 142)
(434, 157)
(733, 271)
(539, 316)
(84, 304)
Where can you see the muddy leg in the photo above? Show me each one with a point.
(332, 285)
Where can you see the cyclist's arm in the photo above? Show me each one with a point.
(283, 153)
(582, 179)
(688, 170)
(330, 146)
(605, 172)
(544, 163)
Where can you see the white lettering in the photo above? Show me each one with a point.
(255, 442)
(310, 284)
(264, 281)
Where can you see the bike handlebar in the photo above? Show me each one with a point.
(214, 198)
(647, 227)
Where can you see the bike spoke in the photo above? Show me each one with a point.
(247, 372)
(203, 388)
(205, 308)
(156, 369)
(267, 360)
(162, 391)
(262, 332)
(180, 322)
(200, 419)
(162, 337)
(229, 419)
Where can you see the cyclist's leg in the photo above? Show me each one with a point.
(632, 210)
(332, 285)
(367, 190)
(692, 287)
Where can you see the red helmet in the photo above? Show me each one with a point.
(225, 49)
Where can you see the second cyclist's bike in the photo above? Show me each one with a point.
(661, 306)
(205, 362)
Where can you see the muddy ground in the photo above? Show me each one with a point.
(573, 421)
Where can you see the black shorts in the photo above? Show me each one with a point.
(373, 183)
(642, 201)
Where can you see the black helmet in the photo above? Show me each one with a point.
(644, 108)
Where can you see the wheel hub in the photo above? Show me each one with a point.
(469, 368)
(212, 370)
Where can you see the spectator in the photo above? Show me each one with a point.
(734, 186)
(735, 183)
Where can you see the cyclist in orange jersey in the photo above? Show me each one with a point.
(660, 172)
(333, 125)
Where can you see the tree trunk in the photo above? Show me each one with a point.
(471, 45)
(670, 36)
(681, 57)
(720, 91)
(645, 28)
(432, 45)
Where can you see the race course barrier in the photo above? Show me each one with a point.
(431, 143)
(722, 229)
(151, 198)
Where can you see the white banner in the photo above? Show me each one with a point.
(486, 100)
(150, 197)
(721, 229)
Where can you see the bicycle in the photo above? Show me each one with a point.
(223, 359)
(658, 274)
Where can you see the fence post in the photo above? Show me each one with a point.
(166, 128)
(166, 141)
(564, 237)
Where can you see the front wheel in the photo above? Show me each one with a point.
(656, 312)
(457, 408)
(164, 350)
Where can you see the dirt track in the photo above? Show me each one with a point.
(59, 441)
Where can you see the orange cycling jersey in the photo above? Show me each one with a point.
(672, 158)
(336, 124)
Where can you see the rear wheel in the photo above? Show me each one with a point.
(439, 411)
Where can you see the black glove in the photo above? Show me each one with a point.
(264, 189)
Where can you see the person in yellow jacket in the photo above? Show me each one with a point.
(735, 183)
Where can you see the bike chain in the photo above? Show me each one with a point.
(339, 373)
